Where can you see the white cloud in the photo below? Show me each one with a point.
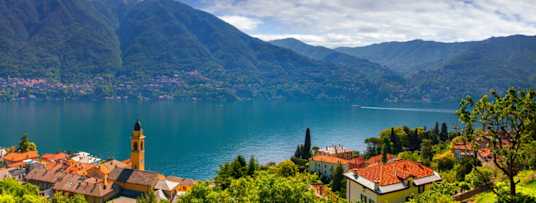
(241, 22)
(360, 22)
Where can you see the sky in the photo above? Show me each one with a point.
(350, 23)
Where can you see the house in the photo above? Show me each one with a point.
(55, 157)
(185, 184)
(325, 165)
(392, 182)
(45, 178)
(85, 158)
(134, 181)
(462, 150)
(166, 189)
(16, 159)
(94, 190)
(78, 168)
(336, 151)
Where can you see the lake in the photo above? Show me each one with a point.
(193, 139)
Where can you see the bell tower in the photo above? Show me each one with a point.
(137, 147)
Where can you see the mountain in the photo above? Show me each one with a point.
(180, 51)
(374, 71)
(409, 57)
(445, 71)
(55, 35)
(496, 63)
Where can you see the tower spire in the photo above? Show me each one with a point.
(137, 125)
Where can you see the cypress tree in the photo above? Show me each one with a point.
(252, 166)
(397, 145)
(426, 151)
(435, 134)
(444, 134)
(384, 155)
(338, 180)
(307, 144)
(414, 140)
(387, 148)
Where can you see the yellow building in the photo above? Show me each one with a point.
(392, 182)
(137, 143)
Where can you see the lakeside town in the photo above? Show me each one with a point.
(401, 164)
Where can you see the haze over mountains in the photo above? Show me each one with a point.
(74, 41)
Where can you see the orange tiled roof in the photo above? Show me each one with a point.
(393, 172)
(21, 156)
(356, 162)
(378, 159)
(79, 168)
(54, 157)
(329, 159)
(485, 152)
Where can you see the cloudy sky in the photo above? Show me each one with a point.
(335, 23)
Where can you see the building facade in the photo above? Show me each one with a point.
(393, 182)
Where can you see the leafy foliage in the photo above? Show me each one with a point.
(12, 191)
(26, 145)
(277, 183)
(440, 193)
(509, 124)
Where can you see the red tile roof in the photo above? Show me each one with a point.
(393, 172)
(20, 156)
(329, 159)
(54, 157)
(378, 159)
(356, 162)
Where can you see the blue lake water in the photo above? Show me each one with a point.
(193, 139)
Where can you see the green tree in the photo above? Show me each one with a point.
(286, 168)
(414, 140)
(426, 151)
(338, 182)
(479, 177)
(252, 166)
(387, 146)
(444, 133)
(508, 122)
(12, 190)
(274, 184)
(374, 146)
(26, 145)
(62, 198)
(307, 145)
(439, 193)
(397, 144)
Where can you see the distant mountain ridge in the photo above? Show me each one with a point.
(76, 40)
(436, 71)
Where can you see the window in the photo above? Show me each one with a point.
(371, 201)
(134, 146)
(141, 146)
(363, 198)
(421, 188)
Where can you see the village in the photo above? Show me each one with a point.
(96, 180)
(494, 163)
(384, 177)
